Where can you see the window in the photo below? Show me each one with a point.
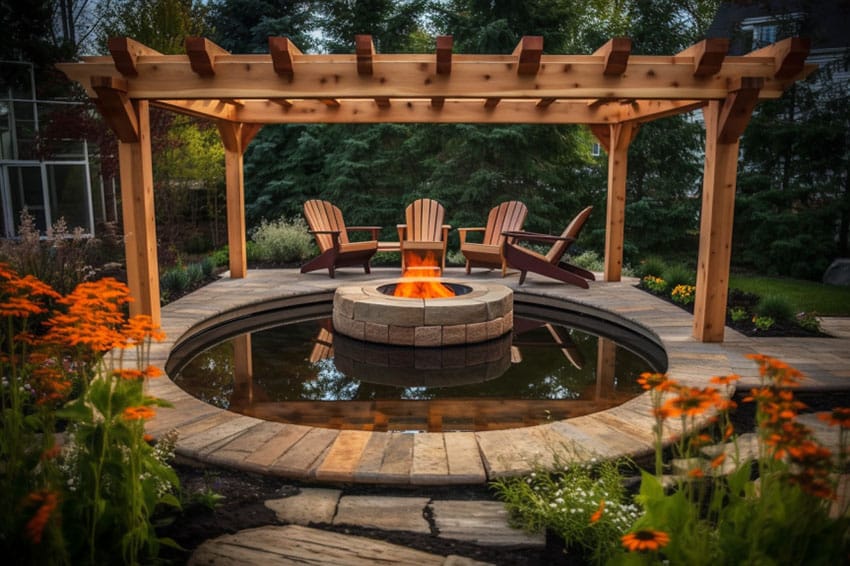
(595, 150)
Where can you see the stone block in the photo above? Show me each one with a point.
(376, 332)
(428, 336)
(312, 505)
(476, 332)
(353, 328)
(454, 311)
(494, 328)
(400, 312)
(401, 335)
(454, 334)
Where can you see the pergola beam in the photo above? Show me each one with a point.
(610, 90)
(564, 77)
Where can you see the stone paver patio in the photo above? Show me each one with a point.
(211, 435)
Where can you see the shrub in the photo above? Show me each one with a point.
(584, 504)
(283, 241)
(763, 322)
(809, 321)
(220, 257)
(589, 260)
(654, 284)
(738, 314)
(683, 294)
(776, 307)
(174, 281)
(651, 265)
(678, 274)
(207, 267)
(194, 274)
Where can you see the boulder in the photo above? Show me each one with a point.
(838, 273)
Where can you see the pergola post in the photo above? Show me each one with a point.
(616, 139)
(235, 138)
(725, 121)
(137, 206)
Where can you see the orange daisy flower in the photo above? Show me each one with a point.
(725, 379)
(645, 539)
(691, 401)
(649, 380)
(35, 526)
(839, 416)
(138, 413)
(598, 513)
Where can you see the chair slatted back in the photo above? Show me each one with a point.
(571, 231)
(424, 218)
(507, 216)
(322, 215)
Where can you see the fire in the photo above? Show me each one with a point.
(413, 286)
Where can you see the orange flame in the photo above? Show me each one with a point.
(416, 268)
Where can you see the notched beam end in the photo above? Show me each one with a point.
(528, 52)
(283, 53)
(444, 54)
(615, 55)
(365, 50)
(202, 53)
(125, 53)
(708, 55)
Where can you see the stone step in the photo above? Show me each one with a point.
(294, 544)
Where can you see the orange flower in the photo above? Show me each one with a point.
(730, 430)
(35, 526)
(645, 539)
(140, 327)
(649, 380)
(152, 372)
(138, 413)
(725, 379)
(696, 473)
(691, 401)
(718, 460)
(128, 374)
(839, 416)
(598, 513)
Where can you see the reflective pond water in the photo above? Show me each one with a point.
(299, 372)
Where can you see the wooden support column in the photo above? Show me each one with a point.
(235, 138)
(137, 204)
(616, 138)
(725, 121)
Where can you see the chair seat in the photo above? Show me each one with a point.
(420, 245)
(358, 246)
(481, 248)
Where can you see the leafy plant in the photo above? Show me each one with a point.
(763, 322)
(809, 321)
(283, 241)
(776, 307)
(683, 294)
(654, 284)
(585, 504)
(738, 314)
(716, 513)
(651, 265)
(678, 274)
(90, 500)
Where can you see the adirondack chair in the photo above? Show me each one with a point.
(508, 216)
(424, 231)
(328, 227)
(550, 265)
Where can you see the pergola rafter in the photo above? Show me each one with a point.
(612, 91)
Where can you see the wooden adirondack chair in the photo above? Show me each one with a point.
(424, 231)
(328, 227)
(550, 265)
(508, 216)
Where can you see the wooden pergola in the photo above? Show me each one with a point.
(610, 90)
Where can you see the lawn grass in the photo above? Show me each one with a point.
(805, 296)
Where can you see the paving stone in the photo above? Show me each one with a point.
(388, 513)
(344, 456)
(480, 522)
(301, 460)
(294, 544)
(429, 465)
(312, 505)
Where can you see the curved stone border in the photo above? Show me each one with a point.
(362, 312)
(211, 435)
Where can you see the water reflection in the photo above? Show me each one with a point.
(302, 373)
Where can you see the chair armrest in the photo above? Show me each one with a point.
(462, 233)
(535, 237)
(324, 231)
(373, 229)
(402, 230)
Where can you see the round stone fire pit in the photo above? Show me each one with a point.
(479, 312)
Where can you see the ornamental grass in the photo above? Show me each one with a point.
(79, 481)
